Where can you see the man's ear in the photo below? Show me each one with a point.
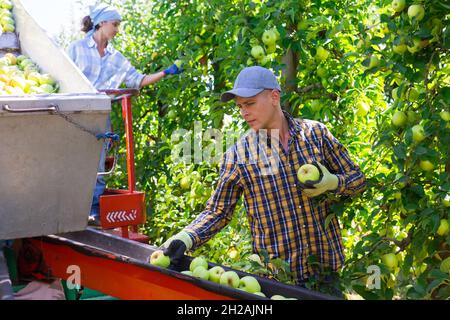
(275, 95)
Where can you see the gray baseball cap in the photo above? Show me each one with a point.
(251, 81)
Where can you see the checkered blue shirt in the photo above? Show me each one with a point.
(284, 221)
(107, 72)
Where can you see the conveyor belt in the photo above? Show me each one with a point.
(119, 267)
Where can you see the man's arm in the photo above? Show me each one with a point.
(220, 207)
(218, 212)
(351, 180)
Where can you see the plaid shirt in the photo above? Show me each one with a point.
(283, 220)
(107, 72)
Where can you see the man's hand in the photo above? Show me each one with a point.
(173, 69)
(328, 182)
(176, 246)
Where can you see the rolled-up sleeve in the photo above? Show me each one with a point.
(133, 78)
(351, 179)
(220, 207)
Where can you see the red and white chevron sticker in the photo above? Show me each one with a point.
(121, 216)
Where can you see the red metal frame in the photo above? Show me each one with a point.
(117, 277)
(120, 208)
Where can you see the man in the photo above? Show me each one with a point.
(263, 167)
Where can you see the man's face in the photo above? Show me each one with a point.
(258, 111)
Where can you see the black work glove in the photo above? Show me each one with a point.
(175, 251)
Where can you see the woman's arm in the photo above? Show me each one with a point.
(152, 78)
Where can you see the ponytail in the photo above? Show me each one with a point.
(87, 25)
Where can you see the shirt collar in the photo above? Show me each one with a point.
(294, 126)
(92, 44)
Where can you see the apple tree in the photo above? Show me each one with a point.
(375, 72)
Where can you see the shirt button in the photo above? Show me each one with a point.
(299, 207)
(304, 226)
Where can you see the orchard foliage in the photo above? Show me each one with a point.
(349, 64)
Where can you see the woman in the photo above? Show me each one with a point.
(107, 68)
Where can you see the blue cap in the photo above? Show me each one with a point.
(251, 81)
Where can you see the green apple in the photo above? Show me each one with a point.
(362, 109)
(412, 117)
(171, 114)
(445, 115)
(316, 105)
(395, 93)
(277, 34)
(390, 260)
(443, 228)
(257, 52)
(11, 58)
(418, 133)
(322, 54)
(416, 47)
(185, 183)
(399, 119)
(46, 79)
(308, 172)
(416, 11)
(158, 258)
(9, 27)
(36, 89)
(413, 94)
(4, 62)
(271, 48)
(398, 5)
(269, 37)
(6, 20)
(259, 294)
(255, 258)
(264, 60)
(302, 25)
(6, 4)
(201, 272)
(446, 201)
(20, 58)
(178, 63)
(47, 88)
(278, 297)
(373, 62)
(445, 265)
(400, 49)
(426, 165)
(187, 272)
(215, 273)
(198, 261)
(321, 72)
(33, 76)
(249, 284)
(198, 39)
(230, 279)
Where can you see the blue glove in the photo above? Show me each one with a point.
(173, 69)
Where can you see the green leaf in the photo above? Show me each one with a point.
(400, 151)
